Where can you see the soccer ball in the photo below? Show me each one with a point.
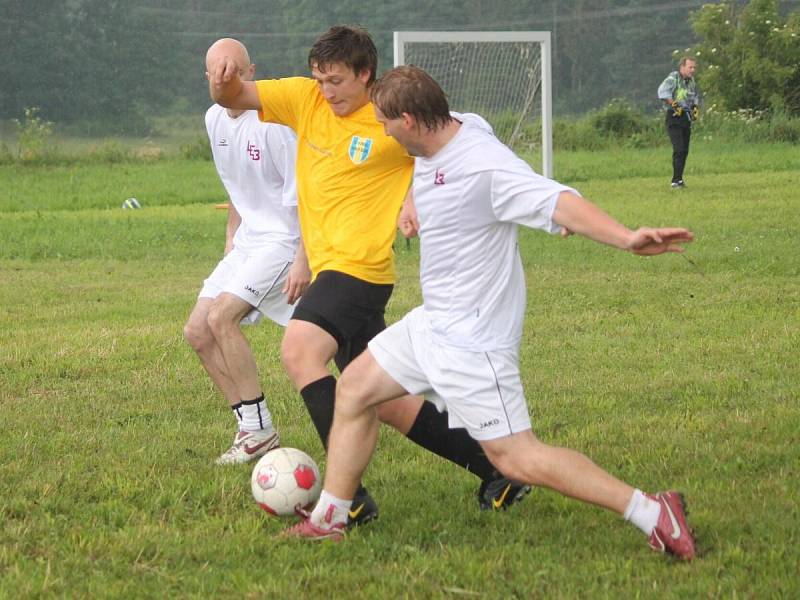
(131, 203)
(284, 480)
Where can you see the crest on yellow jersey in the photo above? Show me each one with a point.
(359, 149)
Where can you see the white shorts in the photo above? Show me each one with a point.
(256, 277)
(481, 391)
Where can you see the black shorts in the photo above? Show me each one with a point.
(348, 308)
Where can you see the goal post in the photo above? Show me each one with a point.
(505, 76)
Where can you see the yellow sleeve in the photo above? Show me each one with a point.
(283, 100)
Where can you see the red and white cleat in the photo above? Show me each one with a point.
(305, 529)
(249, 445)
(672, 533)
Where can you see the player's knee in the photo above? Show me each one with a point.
(197, 336)
(525, 464)
(292, 356)
(218, 320)
(350, 393)
(290, 353)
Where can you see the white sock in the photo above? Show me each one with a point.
(643, 512)
(330, 511)
(255, 415)
(237, 413)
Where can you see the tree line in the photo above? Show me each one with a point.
(112, 65)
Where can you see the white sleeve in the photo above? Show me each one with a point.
(520, 195)
(283, 151)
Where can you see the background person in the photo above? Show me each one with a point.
(681, 97)
(352, 179)
(264, 269)
(461, 347)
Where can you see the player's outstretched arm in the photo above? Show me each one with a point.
(227, 88)
(580, 216)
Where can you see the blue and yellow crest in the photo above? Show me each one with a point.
(359, 149)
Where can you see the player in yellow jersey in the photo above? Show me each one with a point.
(351, 179)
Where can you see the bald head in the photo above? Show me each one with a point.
(234, 50)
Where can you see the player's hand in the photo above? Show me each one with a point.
(222, 70)
(677, 109)
(695, 112)
(407, 222)
(647, 241)
(297, 280)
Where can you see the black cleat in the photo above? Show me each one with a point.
(500, 493)
(363, 510)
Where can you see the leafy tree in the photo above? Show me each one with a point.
(751, 56)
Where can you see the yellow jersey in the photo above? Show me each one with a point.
(351, 179)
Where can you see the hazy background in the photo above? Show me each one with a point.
(111, 66)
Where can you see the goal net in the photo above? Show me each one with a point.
(504, 76)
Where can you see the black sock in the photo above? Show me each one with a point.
(430, 431)
(319, 397)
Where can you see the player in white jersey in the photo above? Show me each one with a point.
(460, 348)
(264, 270)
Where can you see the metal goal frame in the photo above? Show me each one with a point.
(540, 37)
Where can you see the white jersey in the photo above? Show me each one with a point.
(255, 161)
(470, 197)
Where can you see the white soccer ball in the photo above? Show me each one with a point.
(131, 203)
(284, 480)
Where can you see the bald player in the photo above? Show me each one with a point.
(264, 269)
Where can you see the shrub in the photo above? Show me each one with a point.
(199, 149)
(783, 128)
(747, 125)
(616, 125)
(34, 136)
(751, 56)
(617, 119)
(6, 157)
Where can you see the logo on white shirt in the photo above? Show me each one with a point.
(223, 142)
(438, 178)
(254, 152)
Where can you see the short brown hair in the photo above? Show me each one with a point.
(685, 59)
(351, 46)
(411, 90)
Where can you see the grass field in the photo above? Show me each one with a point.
(670, 372)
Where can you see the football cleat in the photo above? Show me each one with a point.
(363, 510)
(306, 530)
(500, 493)
(249, 445)
(672, 533)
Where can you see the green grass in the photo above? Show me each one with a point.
(665, 372)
